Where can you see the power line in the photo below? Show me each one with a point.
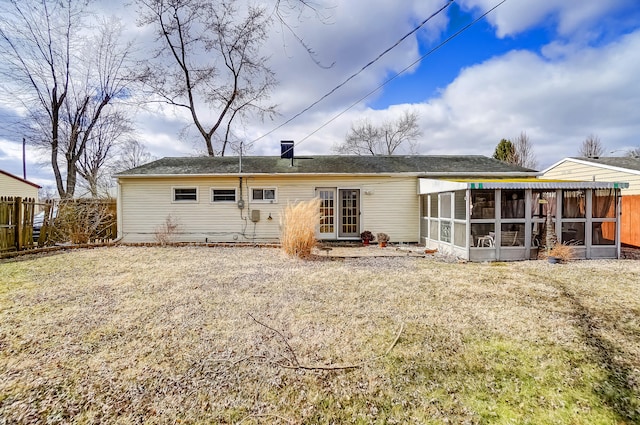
(457, 33)
(404, 37)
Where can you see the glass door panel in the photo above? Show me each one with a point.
(327, 228)
(349, 213)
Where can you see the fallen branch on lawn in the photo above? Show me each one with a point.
(266, 415)
(295, 364)
(395, 341)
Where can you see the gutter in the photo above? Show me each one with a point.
(386, 174)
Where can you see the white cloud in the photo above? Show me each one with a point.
(356, 33)
(558, 103)
(568, 16)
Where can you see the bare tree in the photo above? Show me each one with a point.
(519, 152)
(215, 64)
(109, 133)
(591, 147)
(131, 154)
(634, 153)
(387, 138)
(523, 154)
(64, 80)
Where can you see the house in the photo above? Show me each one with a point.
(626, 169)
(13, 186)
(226, 199)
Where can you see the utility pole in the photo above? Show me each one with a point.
(24, 159)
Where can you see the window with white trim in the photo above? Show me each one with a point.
(185, 194)
(266, 195)
(223, 195)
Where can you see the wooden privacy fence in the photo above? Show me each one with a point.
(16, 223)
(630, 220)
(77, 221)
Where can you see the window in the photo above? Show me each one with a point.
(573, 204)
(185, 194)
(603, 227)
(483, 235)
(434, 206)
(573, 233)
(263, 195)
(512, 203)
(512, 234)
(460, 205)
(445, 231)
(483, 204)
(223, 195)
(604, 233)
(445, 205)
(604, 203)
(543, 203)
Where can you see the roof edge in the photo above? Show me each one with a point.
(6, 173)
(594, 164)
(401, 174)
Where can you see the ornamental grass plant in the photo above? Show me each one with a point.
(562, 252)
(299, 222)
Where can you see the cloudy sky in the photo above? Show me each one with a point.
(557, 70)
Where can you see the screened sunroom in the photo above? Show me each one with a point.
(506, 220)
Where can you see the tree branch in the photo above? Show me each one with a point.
(295, 364)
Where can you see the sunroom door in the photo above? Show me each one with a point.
(327, 229)
(339, 213)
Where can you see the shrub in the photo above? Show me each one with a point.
(165, 233)
(299, 223)
(561, 251)
(367, 236)
(83, 220)
(383, 237)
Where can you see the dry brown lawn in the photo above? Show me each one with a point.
(248, 335)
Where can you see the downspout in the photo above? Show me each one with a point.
(119, 217)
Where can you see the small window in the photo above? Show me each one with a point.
(445, 206)
(223, 195)
(181, 194)
(263, 195)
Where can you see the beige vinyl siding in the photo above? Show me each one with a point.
(388, 204)
(569, 170)
(13, 187)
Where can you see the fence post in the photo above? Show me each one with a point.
(17, 222)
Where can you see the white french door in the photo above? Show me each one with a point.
(327, 229)
(339, 213)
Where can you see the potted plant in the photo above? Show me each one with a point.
(367, 237)
(560, 253)
(383, 238)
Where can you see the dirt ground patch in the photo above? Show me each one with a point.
(247, 335)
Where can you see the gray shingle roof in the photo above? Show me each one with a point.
(337, 164)
(627, 162)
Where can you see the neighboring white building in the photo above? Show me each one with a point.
(11, 185)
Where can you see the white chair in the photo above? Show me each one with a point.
(485, 241)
